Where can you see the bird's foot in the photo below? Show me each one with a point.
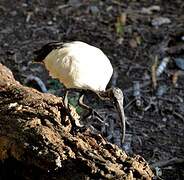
(75, 121)
(66, 105)
(94, 114)
(91, 112)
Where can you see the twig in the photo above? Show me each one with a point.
(175, 77)
(153, 72)
(144, 84)
(169, 162)
(175, 49)
(178, 115)
(127, 105)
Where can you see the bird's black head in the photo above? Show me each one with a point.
(41, 54)
(114, 94)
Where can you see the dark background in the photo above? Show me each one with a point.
(125, 33)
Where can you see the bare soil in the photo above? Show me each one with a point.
(127, 35)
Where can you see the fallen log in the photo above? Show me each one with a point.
(38, 141)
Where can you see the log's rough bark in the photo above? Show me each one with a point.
(37, 140)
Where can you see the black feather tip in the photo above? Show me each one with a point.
(41, 54)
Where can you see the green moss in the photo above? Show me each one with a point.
(54, 84)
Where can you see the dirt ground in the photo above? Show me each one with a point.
(132, 36)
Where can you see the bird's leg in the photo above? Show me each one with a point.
(81, 102)
(66, 99)
(91, 111)
(66, 105)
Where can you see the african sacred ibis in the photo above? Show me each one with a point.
(79, 65)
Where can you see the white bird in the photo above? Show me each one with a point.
(79, 65)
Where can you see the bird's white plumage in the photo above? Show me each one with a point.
(79, 65)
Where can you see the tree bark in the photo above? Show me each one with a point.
(38, 141)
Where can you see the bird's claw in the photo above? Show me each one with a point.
(66, 100)
(77, 123)
(94, 114)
